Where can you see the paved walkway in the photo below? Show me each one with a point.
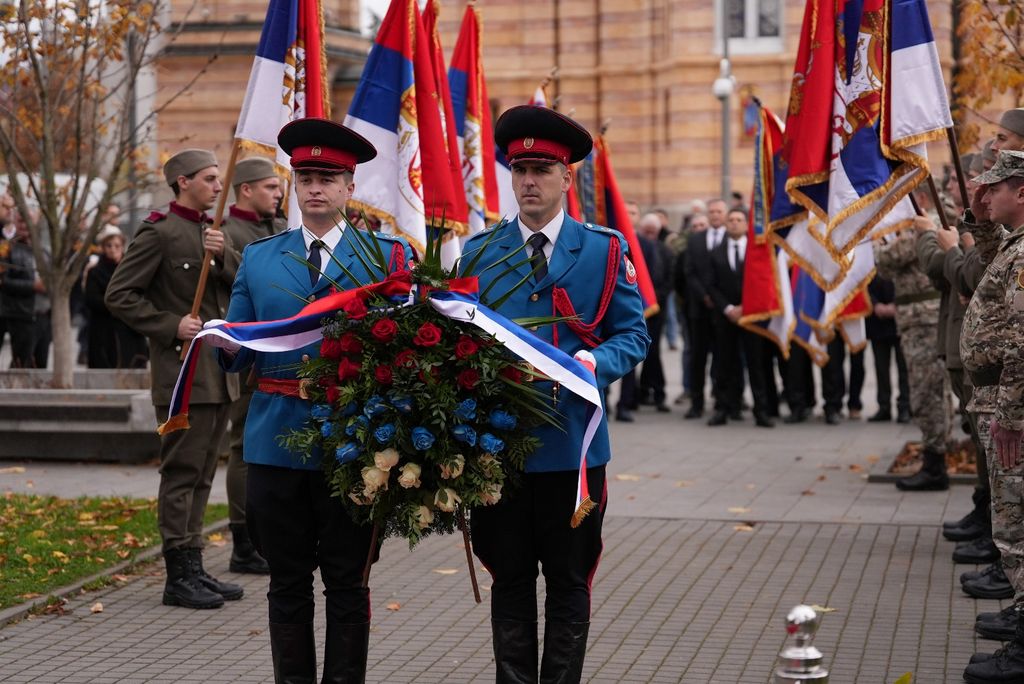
(712, 535)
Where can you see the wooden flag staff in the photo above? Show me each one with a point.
(218, 218)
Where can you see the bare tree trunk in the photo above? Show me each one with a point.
(63, 344)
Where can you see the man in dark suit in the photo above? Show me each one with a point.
(736, 344)
(699, 307)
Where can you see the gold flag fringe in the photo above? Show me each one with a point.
(585, 507)
(178, 422)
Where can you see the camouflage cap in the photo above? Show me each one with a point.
(253, 169)
(1009, 163)
(1013, 121)
(187, 162)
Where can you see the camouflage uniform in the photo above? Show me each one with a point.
(917, 319)
(992, 353)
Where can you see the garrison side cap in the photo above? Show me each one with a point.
(187, 162)
(539, 134)
(318, 144)
(253, 169)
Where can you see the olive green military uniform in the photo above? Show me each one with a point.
(151, 290)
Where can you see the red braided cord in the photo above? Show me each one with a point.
(563, 305)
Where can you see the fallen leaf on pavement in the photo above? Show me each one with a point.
(119, 578)
(744, 527)
(822, 478)
(905, 678)
(856, 467)
(873, 458)
(738, 509)
(807, 492)
(684, 483)
(445, 571)
(822, 609)
(217, 539)
(11, 470)
(30, 596)
(96, 608)
(394, 605)
(255, 632)
(626, 477)
(750, 487)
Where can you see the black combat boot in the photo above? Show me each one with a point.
(245, 559)
(1006, 666)
(973, 525)
(293, 651)
(183, 588)
(345, 653)
(981, 550)
(931, 477)
(230, 592)
(515, 651)
(995, 569)
(565, 647)
(1001, 626)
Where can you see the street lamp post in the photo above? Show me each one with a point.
(723, 88)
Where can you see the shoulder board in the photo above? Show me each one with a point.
(270, 237)
(386, 236)
(598, 228)
(155, 216)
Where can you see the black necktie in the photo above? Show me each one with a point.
(736, 256)
(537, 259)
(314, 261)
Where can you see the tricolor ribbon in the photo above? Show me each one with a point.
(459, 304)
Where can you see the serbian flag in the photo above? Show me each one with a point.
(808, 305)
(868, 94)
(600, 201)
(409, 185)
(473, 124)
(767, 302)
(288, 80)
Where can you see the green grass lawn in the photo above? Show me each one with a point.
(47, 543)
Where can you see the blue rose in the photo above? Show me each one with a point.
(466, 410)
(375, 406)
(502, 420)
(464, 434)
(351, 409)
(358, 422)
(384, 433)
(347, 452)
(326, 430)
(422, 438)
(403, 404)
(491, 444)
(320, 411)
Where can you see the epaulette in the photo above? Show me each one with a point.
(271, 237)
(386, 236)
(155, 216)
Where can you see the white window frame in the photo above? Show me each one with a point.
(752, 44)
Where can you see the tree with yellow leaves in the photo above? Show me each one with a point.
(70, 139)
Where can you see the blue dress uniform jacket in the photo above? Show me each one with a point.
(578, 264)
(261, 293)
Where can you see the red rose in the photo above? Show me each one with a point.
(466, 347)
(330, 349)
(355, 308)
(384, 330)
(350, 344)
(383, 375)
(333, 393)
(468, 379)
(435, 373)
(348, 369)
(405, 359)
(512, 373)
(427, 336)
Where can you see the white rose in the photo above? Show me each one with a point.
(373, 479)
(410, 476)
(386, 459)
(445, 499)
(454, 470)
(423, 517)
(491, 495)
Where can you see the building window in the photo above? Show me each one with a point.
(753, 26)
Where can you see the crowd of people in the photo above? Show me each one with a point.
(947, 308)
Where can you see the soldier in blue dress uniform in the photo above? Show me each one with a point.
(578, 269)
(294, 522)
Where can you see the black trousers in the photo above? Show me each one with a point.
(702, 337)
(22, 333)
(652, 375)
(800, 394)
(737, 345)
(297, 526)
(531, 527)
(883, 352)
(833, 376)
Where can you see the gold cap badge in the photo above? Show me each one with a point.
(316, 151)
(527, 143)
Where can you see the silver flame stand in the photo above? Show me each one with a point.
(801, 663)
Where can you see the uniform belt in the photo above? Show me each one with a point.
(919, 297)
(986, 377)
(289, 387)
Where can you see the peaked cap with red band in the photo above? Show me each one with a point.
(324, 145)
(539, 134)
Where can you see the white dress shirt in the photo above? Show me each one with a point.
(715, 236)
(551, 231)
(330, 240)
(731, 250)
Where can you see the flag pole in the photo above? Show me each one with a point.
(218, 218)
(955, 149)
(939, 209)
